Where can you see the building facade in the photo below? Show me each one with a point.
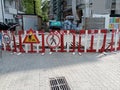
(115, 8)
(9, 10)
(85, 8)
(56, 9)
(62, 8)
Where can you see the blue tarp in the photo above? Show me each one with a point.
(56, 23)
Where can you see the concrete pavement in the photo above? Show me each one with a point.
(85, 72)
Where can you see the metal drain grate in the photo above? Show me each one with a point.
(59, 83)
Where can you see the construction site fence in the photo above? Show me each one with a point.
(33, 41)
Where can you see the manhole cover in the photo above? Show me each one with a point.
(59, 83)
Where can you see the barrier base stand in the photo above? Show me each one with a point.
(104, 53)
(19, 53)
(114, 52)
(13, 53)
(109, 53)
(80, 54)
(73, 53)
(43, 54)
(50, 52)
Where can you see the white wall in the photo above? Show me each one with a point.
(9, 5)
(101, 6)
(117, 6)
(30, 21)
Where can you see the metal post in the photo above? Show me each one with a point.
(34, 6)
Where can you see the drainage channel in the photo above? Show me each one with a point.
(59, 83)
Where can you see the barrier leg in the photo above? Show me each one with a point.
(118, 48)
(110, 47)
(80, 47)
(15, 46)
(62, 44)
(8, 48)
(20, 42)
(73, 46)
(104, 43)
(91, 46)
(43, 42)
(112, 41)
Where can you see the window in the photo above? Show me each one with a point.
(69, 2)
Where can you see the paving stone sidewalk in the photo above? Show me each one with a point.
(86, 72)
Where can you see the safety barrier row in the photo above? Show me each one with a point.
(61, 41)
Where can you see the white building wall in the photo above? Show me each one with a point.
(117, 6)
(101, 6)
(10, 11)
(9, 4)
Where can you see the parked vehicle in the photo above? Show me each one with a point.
(4, 26)
(9, 26)
(55, 25)
(13, 26)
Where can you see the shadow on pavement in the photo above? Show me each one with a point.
(26, 62)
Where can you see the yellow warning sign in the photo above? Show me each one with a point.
(31, 37)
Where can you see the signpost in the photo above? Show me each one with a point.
(31, 38)
(53, 40)
(6, 39)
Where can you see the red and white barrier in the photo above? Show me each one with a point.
(61, 41)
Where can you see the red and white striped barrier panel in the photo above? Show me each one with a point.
(32, 41)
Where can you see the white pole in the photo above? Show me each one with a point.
(98, 41)
(116, 39)
(68, 43)
(26, 45)
(87, 9)
(86, 36)
(74, 11)
(37, 44)
(3, 11)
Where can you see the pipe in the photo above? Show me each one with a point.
(2, 6)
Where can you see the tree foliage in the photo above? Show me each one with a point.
(29, 6)
(42, 8)
(45, 10)
(38, 7)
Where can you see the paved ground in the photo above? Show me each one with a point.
(86, 72)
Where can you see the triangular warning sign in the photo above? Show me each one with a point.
(31, 37)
